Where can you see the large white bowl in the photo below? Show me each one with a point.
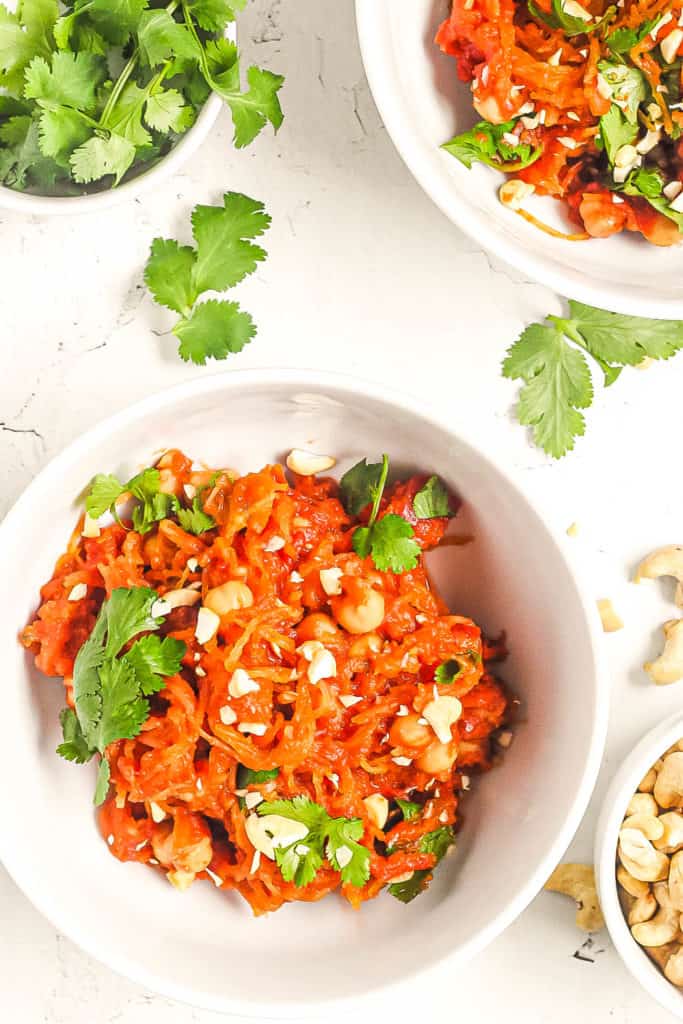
(206, 948)
(423, 104)
(621, 789)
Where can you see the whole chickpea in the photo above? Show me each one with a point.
(229, 597)
(408, 731)
(438, 759)
(359, 610)
(316, 626)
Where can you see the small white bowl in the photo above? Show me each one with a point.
(164, 168)
(422, 105)
(623, 786)
(204, 947)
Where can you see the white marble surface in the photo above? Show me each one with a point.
(366, 276)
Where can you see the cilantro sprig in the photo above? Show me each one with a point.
(223, 255)
(558, 18)
(437, 842)
(151, 504)
(110, 687)
(486, 144)
(66, 121)
(550, 359)
(431, 501)
(331, 839)
(388, 540)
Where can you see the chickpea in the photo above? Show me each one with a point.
(168, 483)
(316, 627)
(360, 612)
(409, 732)
(197, 857)
(229, 597)
(162, 843)
(438, 759)
(371, 643)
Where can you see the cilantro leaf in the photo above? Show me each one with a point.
(154, 660)
(251, 777)
(165, 110)
(570, 24)
(409, 810)
(485, 143)
(103, 154)
(115, 19)
(168, 275)
(61, 131)
(75, 746)
(161, 37)
(437, 843)
(557, 385)
(195, 520)
(253, 109)
(214, 330)
(24, 35)
(390, 543)
(624, 39)
(224, 254)
(447, 672)
(627, 87)
(431, 501)
(648, 183)
(214, 15)
(333, 838)
(102, 784)
(360, 485)
(104, 491)
(70, 80)
(616, 131)
(110, 691)
(618, 338)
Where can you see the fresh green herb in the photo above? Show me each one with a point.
(388, 540)
(334, 839)
(447, 672)
(648, 184)
(627, 87)
(616, 131)
(431, 501)
(362, 484)
(408, 809)
(224, 255)
(67, 120)
(109, 687)
(195, 520)
(558, 18)
(438, 843)
(485, 144)
(550, 358)
(624, 39)
(152, 505)
(250, 777)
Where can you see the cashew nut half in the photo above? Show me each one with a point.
(640, 858)
(578, 881)
(668, 789)
(667, 561)
(662, 928)
(668, 667)
(643, 909)
(648, 824)
(633, 886)
(672, 838)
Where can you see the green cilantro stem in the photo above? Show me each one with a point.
(380, 490)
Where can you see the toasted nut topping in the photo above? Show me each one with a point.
(158, 813)
(91, 528)
(181, 880)
(78, 592)
(578, 881)
(442, 713)
(241, 684)
(184, 597)
(329, 581)
(305, 463)
(513, 192)
(229, 597)
(668, 667)
(207, 625)
(377, 807)
(227, 715)
(609, 618)
(668, 789)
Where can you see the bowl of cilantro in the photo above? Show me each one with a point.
(101, 101)
(502, 566)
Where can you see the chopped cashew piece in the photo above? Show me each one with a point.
(323, 666)
(305, 463)
(667, 561)
(578, 881)
(377, 807)
(91, 528)
(241, 684)
(78, 592)
(158, 813)
(207, 625)
(330, 581)
(442, 713)
(573, 530)
(668, 667)
(514, 191)
(609, 618)
(227, 715)
(185, 597)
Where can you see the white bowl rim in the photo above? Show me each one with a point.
(622, 787)
(371, 29)
(311, 379)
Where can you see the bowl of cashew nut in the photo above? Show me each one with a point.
(639, 863)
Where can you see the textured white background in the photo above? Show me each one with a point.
(366, 276)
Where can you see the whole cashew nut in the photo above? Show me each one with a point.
(673, 969)
(578, 881)
(643, 909)
(661, 929)
(643, 803)
(648, 824)
(672, 838)
(633, 886)
(667, 561)
(668, 789)
(668, 667)
(640, 858)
